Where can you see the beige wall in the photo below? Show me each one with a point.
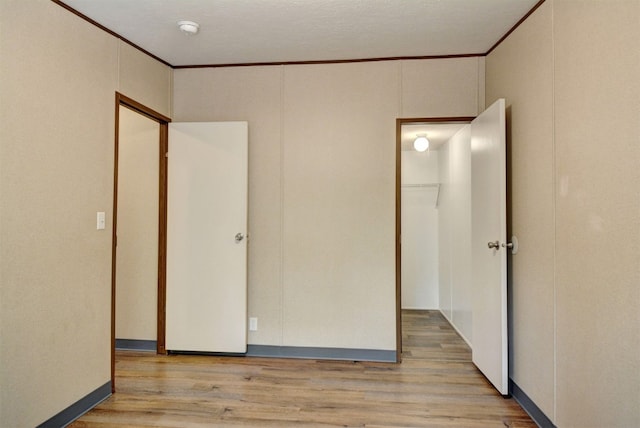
(570, 77)
(137, 250)
(520, 70)
(144, 79)
(321, 185)
(56, 172)
(321, 161)
(597, 99)
(339, 163)
(443, 87)
(252, 94)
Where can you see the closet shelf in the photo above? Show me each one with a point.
(419, 185)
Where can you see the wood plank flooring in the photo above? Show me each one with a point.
(436, 385)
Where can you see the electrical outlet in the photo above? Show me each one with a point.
(253, 324)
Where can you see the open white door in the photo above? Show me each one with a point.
(489, 234)
(206, 237)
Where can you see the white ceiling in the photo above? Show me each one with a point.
(255, 31)
(436, 133)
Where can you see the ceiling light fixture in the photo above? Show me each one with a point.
(188, 27)
(421, 143)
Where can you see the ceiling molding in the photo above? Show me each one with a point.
(280, 63)
(512, 29)
(335, 61)
(113, 33)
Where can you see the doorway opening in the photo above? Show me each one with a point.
(419, 189)
(142, 246)
(472, 236)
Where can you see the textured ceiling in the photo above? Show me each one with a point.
(256, 31)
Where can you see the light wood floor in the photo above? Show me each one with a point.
(436, 385)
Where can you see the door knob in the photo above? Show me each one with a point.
(239, 237)
(494, 244)
(513, 245)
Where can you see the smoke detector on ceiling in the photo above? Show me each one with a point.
(189, 27)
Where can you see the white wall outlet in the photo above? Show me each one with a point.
(253, 324)
(100, 218)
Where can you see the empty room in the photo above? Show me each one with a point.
(203, 205)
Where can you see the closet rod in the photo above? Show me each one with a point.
(422, 185)
(434, 185)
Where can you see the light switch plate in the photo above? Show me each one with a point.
(100, 220)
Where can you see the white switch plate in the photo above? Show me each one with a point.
(100, 220)
(253, 324)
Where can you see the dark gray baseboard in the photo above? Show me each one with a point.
(529, 406)
(136, 345)
(313, 353)
(78, 408)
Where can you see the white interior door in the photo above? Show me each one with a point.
(206, 237)
(489, 233)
